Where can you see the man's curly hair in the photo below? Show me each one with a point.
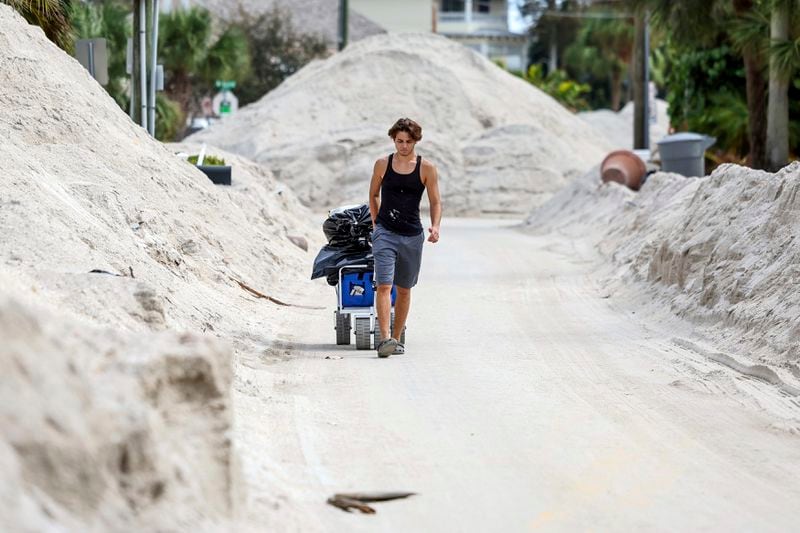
(407, 125)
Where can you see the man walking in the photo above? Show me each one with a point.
(395, 192)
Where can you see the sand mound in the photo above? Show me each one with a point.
(720, 251)
(94, 393)
(501, 144)
(617, 127)
(105, 429)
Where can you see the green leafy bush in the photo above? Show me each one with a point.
(558, 85)
(208, 161)
(169, 119)
(706, 93)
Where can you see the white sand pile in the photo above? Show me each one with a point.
(501, 145)
(106, 430)
(617, 127)
(720, 251)
(109, 424)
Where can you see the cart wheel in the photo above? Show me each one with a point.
(342, 328)
(363, 334)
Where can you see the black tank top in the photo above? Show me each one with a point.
(400, 198)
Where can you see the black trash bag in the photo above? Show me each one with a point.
(348, 226)
(330, 259)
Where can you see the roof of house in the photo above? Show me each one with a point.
(319, 17)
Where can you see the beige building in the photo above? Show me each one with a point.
(478, 24)
(395, 16)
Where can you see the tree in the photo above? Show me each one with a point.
(50, 15)
(603, 47)
(553, 28)
(107, 20)
(753, 57)
(779, 76)
(193, 60)
(694, 24)
(278, 51)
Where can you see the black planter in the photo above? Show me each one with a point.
(219, 175)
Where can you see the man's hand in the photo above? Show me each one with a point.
(434, 234)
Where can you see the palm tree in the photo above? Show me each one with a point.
(767, 32)
(604, 47)
(192, 61)
(780, 70)
(754, 62)
(698, 23)
(50, 15)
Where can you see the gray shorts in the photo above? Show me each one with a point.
(397, 257)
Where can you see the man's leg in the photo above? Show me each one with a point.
(406, 274)
(384, 305)
(384, 249)
(401, 306)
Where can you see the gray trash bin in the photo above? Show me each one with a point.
(684, 153)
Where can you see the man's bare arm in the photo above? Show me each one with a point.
(375, 188)
(431, 179)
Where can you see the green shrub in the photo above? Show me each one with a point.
(169, 119)
(208, 161)
(558, 85)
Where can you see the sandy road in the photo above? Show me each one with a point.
(528, 400)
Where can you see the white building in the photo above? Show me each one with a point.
(478, 24)
(483, 26)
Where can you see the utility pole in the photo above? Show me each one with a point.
(134, 57)
(343, 23)
(641, 82)
(552, 63)
(143, 61)
(153, 68)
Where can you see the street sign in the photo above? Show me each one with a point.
(225, 85)
(93, 55)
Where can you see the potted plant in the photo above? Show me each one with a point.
(213, 167)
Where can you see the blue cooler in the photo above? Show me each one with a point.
(357, 289)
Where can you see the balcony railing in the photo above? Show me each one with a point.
(476, 21)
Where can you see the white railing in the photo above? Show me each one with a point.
(476, 20)
(460, 16)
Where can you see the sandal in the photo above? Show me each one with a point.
(399, 349)
(386, 347)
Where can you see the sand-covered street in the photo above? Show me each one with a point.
(530, 398)
(580, 355)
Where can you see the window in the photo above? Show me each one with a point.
(449, 6)
(481, 6)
